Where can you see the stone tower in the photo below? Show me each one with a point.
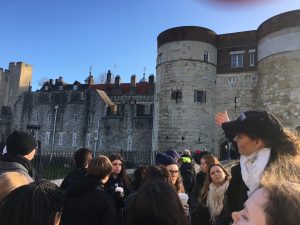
(185, 89)
(278, 44)
(14, 81)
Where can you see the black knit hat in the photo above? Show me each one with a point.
(261, 124)
(20, 143)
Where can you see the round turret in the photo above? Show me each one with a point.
(279, 67)
(185, 89)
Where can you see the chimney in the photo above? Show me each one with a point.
(133, 84)
(133, 81)
(108, 77)
(151, 84)
(51, 81)
(117, 80)
(60, 79)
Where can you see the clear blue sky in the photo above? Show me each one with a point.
(66, 37)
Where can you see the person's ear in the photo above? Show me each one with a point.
(235, 216)
(260, 143)
(30, 155)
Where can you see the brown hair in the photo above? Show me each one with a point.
(283, 204)
(138, 177)
(281, 181)
(179, 184)
(81, 157)
(10, 181)
(99, 167)
(162, 206)
(210, 160)
(208, 180)
(157, 173)
(288, 145)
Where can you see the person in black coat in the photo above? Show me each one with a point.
(262, 141)
(86, 201)
(81, 158)
(118, 185)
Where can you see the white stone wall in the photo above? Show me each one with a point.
(185, 124)
(279, 86)
(243, 89)
(285, 40)
(279, 70)
(187, 50)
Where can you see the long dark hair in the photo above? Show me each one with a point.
(138, 177)
(157, 173)
(156, 203)
(35, 204)
(123, 174)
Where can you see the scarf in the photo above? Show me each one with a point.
(252, 168)
(11, 157)
(214, 201)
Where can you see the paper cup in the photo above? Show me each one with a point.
(119, 189)
(183, 198)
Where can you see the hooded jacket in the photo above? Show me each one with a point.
(87, 203)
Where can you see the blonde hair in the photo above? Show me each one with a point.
(10, 181)
(281, 181)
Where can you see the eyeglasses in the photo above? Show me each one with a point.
(173, 171)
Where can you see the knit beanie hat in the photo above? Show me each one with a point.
(173, 154)
(20, 143)
(164, 159)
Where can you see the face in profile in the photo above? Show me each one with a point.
(116, 166)
(203, 165)
(174, 171)
(246, 145)
(217, 175)
(253, 212)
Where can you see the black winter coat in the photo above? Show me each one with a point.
(200, 216)
(88, 204)
(74, 174)
(110, 188)
(197, 186)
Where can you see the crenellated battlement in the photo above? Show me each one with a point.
(17, 80)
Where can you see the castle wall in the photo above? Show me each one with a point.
(4, 76)
(185, 123)
(85, 114)
(236, 93)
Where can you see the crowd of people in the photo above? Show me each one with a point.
(182, 188)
